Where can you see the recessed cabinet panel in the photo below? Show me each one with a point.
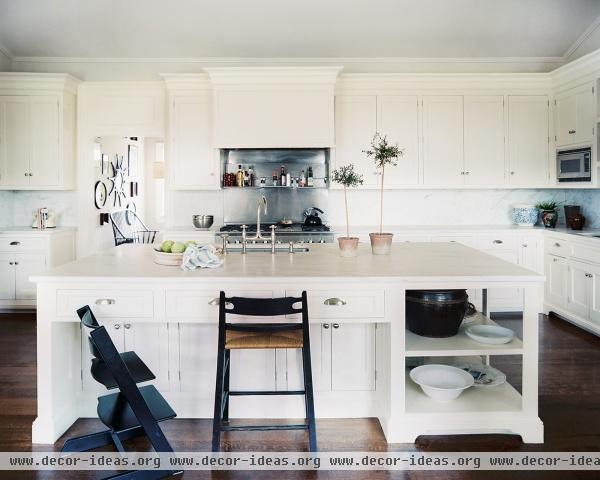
(398, 119)
(575, 116)
(594, 292)
(578, 288)
(45, 141)
(484, 140)
(320, 352)
(26, 265)
(198, 345)
(528, 139)
(117, 334)
(192, 163)
(566, 120)
(7, 276)
(355, 125)
(443, 140)
(352, 356)
(253, 369)
(14, 144)
(556, 280)
(151, 342)
(505, 299)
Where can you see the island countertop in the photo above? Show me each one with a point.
(409, 261)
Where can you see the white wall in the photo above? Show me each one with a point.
(6, 208)
(5, 62)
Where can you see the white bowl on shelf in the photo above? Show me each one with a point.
(490, 334)
(441, 383)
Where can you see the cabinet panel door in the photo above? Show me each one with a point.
(528, 139)
(355, 125)
(484, 140)
(443, 140)
(529, 254)
(27, 264)
(151, 343)
(320, 352)
(586, 111)
(594, 292)
(192, 163)
(7, 277)
(44, 135)
(14, 141)
(117, 334)
(566, 119)
(505, 299)
(198, 358)
(253, 370)
(556, 280)
(398, 119)
(353, 357)
(578, 301)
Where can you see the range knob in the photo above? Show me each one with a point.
(310, 241)
(321, 241)
(254, 241)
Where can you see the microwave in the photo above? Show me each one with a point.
(574, 165)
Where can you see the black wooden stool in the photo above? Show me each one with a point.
(260, 336)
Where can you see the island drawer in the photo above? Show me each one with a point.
(497, 242)
(557, 246)
(106, 303)
(343, 303)
(10, 243)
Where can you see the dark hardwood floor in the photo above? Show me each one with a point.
(569, 407)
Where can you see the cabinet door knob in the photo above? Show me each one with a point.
(105, 301)
(497, 241)
(117, 326)
(555, 260)
(26, 174)
(556, 244)
(16, 263)
(127, 326)
(326, 326)
(571, 132)
(15, 243)
(462, 173)
(337, 302)
(10, 263)
(525, 245)
(215, 301)
(512, 173)
(467, 172)
(336, 325)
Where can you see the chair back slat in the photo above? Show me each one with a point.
(264, 307)
(87, 317)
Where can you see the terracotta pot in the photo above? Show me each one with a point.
(381, 243)
(348, 246)
(549, 218)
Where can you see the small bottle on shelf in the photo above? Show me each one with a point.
(302, 180)
(288, 179)
(282, 177)
(309, 179)
(250, 176)
(274, 178)
(239, 177)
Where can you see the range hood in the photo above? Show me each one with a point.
(274, 107)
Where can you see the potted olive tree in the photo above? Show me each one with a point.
(346, 176)
(383, 154)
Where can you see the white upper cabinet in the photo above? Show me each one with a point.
(443, 140)
(192, 162)
(355, 125)
(575, 116)
(528, 140)
(398, 119)
(37, 132)
(273, 107)
(484, 140)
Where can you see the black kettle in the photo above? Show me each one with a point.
(312, 218)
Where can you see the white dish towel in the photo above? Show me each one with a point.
(203, 257)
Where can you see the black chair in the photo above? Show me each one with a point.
(260, 336)
(132, 412)
(129, 228)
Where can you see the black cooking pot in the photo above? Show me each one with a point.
(435, 313)
(312, 217)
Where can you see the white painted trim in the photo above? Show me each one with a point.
(38, 81)
(273, 75)
(582, 38)
(4, 50)
(578, 71)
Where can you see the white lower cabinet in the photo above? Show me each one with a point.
(148, 340)
(7, 276)
(15, 272)
(578, 291)
(505, 299)
(197, 347)
(556, 280)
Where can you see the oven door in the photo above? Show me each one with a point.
(573, 164)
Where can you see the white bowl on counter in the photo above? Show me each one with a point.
(441, 383)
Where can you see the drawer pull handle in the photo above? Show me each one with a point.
(556, 244)
(15, 243)
(215, 301)
(326, 326)
(498, 241)
(10, 263)
(335, 302)
(336, 325)
(127, 326)
(105, 301)
(571, 132)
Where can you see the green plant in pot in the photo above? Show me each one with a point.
(383, 154)
(347, 177)
(549, 213)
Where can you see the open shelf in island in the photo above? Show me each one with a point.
(460, 344)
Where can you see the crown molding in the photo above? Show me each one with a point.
(579, 71)
(39, 81)
(186, 82)
(233, 76)
(582, 38)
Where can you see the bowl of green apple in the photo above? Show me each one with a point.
(170, 253)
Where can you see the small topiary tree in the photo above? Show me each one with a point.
(346, 176)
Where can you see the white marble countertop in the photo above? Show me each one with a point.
(411, 261)
(34, 231)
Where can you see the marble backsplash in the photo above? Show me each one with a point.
(63, 204)
(6, 208)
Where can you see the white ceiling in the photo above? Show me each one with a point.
(294, 28)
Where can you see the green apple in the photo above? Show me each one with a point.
(166, 246)
(178, 247)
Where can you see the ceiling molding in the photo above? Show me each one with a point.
(291, 60)
(582, 38)
(4, 50)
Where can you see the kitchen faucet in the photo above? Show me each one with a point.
(262, 202)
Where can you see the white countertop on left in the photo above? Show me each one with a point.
(34, 231)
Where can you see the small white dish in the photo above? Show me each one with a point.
(490, 334)
(484, 375)
(441, 383)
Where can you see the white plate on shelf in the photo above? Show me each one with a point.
(490, 334)
(483, 375)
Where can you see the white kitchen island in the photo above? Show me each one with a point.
(360, 346)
